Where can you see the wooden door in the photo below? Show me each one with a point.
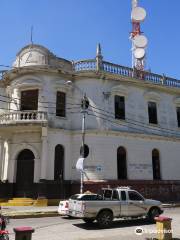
(25, 173)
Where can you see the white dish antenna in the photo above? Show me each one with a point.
(139, 53)
(140, 41)
(138, 14)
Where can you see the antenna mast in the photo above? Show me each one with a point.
(139, 41)
(31, 35)
(134, 3)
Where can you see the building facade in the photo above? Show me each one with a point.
(132, 127)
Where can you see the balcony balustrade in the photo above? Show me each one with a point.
(23, 117)
(85, 65)
(91, 65)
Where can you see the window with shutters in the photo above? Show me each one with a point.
(178, 116)
(119, 104)
(121, 163)
(59, 163)
(61, 104)
(156, 165)
(29, 100)
(152, 112)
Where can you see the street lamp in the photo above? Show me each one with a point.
(84, 150)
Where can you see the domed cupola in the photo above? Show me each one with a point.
(31, 55)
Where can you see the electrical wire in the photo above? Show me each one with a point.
(137, 130)
(140, 124)
(137, 124)
(19, 99)
(128, 120)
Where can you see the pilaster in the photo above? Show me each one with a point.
(44, 153)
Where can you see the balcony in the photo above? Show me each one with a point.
(19, 117)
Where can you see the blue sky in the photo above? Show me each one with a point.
(72, 28)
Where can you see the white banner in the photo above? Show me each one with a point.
(80, 164)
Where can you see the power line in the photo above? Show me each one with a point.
(128, 120)
(137, 130)
(138, 123)
(19, 99)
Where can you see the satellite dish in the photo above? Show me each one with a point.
(139, 53)
(140, 41)
(138, 14)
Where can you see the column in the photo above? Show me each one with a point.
(1, 158)
(15, 103)
(6, 157)
(44, 153)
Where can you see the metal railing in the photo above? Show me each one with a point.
(91, 65)
(23, 116)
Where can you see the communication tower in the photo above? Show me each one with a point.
(139, 41)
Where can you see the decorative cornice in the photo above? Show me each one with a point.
(152, 96)
(96, 132)
(119, 90)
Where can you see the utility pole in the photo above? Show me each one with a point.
(84, 109)
(84, 149)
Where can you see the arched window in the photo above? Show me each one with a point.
(156, 164)
(121, 163)
(59, 162)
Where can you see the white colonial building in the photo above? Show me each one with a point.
(132, 126)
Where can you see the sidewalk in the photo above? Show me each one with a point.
(29, 211)
(49, 211)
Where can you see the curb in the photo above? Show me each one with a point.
(21, 215)
(40, 214)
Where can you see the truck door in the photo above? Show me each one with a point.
(123, 203)
(116, 203)
(136, 205)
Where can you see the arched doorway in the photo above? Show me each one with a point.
(25, 173)
(59, 163)
(121, 163)
(156, 164)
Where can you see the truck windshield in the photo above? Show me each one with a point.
(74, 197)
(134, 196)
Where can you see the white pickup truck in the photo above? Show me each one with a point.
(121, 202)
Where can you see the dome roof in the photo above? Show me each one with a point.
(32, 54)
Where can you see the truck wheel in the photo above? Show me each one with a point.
(104, 219)
(88, 220)
(154, 212)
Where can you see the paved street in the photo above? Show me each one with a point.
(62, 228)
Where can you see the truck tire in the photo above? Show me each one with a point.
(4, 237)
(153, 212)
(88, 220)
(105, 219)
